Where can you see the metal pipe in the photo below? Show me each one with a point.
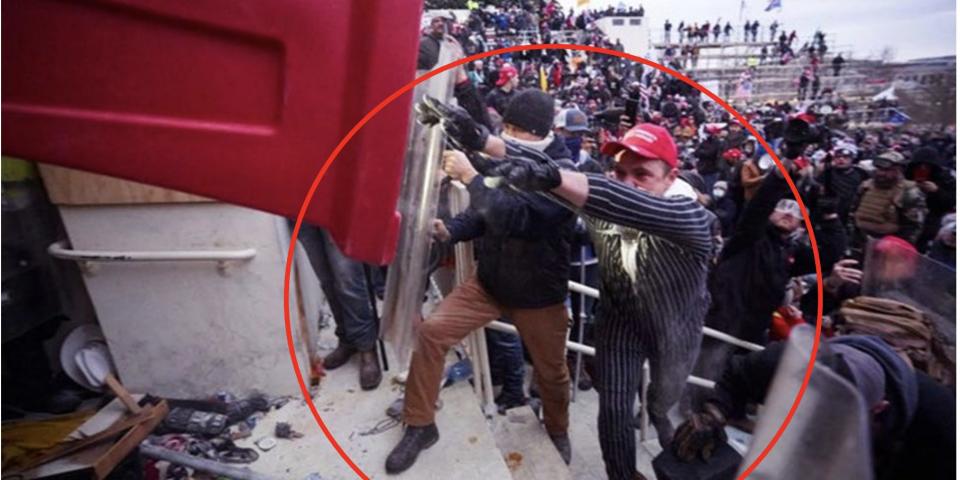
(417, 205)
(202, 464)
(588, 350)
(459, 201)
(644, 413)
(582, 318)
(707, 331)
(60, 250)
(572, 346)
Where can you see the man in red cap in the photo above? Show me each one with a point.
(500, 97)
(653, 252)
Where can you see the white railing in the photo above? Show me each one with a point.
(707, 331)
(88, 258)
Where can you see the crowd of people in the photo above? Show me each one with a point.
(692, 224)
(702, 32)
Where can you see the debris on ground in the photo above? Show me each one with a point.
(266, 443)
(285, 430)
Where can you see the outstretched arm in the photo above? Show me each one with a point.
(681, 220)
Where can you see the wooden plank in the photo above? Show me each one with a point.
(122, 393)
(68, 448)
(92, 454)
(106, 463)
(66, 186)
(526, 447)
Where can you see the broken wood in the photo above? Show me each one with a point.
(122, 393)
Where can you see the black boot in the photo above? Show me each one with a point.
(414, 440)
(370, 374)
(339, 356)
(506, 400)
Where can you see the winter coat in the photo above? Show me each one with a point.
(522, 240)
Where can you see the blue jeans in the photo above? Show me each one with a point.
(345, 287)
(506, 362)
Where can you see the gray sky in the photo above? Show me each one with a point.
(912, 28)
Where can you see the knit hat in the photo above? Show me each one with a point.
(926, 155)
(868, 375)
(531, 110)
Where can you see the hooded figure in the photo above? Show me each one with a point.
(926, 169)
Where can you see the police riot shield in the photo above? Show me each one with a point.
(895, 271)
(828, 437)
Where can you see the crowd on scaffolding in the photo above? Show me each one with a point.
(586, 167)
(694, 32)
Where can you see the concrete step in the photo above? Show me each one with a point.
(526, 447)
(357, 420)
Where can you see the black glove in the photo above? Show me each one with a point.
(463, 129)
(700, 435)
(528, 174)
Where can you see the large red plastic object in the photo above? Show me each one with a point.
(237, 100)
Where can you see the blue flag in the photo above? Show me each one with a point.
(897, 117)
(773, 4)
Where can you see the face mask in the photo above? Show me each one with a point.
(573, 144)
(540, 145)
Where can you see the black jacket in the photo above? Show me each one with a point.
(498, 99)
(843, 185)
(918, 428)
(708, 155)
(944, 199)
(750, 278)
(522, 240)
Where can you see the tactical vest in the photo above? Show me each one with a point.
(877, 213)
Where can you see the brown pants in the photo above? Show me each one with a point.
(467, 308)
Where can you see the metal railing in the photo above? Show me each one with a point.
(707, 331)
(87, 258)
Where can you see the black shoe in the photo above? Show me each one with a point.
(339, 356)
(506, 401)
(562, 442)
(414, 440)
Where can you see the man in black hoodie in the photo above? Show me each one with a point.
(708, 156)
(934, 180)
(913, 419)
(522, 245)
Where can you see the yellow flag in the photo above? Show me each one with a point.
(543, 79)
(581, 3)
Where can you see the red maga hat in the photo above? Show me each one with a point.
(648, 141)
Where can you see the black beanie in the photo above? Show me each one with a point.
(926, 155)
(531, 110)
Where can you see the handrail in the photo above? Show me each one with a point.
(716, 334)
(87, 259)
(60, 250)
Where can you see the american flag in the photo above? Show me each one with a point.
(645, 92)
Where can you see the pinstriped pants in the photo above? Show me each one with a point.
(622, 347)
